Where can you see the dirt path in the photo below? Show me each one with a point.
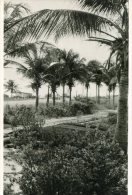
(75, 119)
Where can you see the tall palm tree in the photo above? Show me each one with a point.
(35, 63)
(110, 78)
(61, 64)
(97, 76)
(106, 18)
(11, 86)
(87, 79)
(73, 70)
(53, 78)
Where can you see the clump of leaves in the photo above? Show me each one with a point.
(112, 118)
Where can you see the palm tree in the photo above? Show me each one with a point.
(73, 70)
(106, 18)
(61, 65)
(36, 61)
(11, 86)
(70, 68)
(53, 78)
(110, 79)
(87, 79)
(97, 76)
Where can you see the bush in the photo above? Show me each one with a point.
(112, 118)
(75, 108)
(44, 112)
(74, 170)
(56, 161)
(84, 100)
(9, 112)
(67, 162)
(56, 111)
(6, 119)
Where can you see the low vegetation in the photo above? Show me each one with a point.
(56, 161)
(75, 109)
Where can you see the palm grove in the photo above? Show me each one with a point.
(105, 22)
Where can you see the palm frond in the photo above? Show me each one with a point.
(59, 23)
(100, 40)
(107, 6)
(7, 62)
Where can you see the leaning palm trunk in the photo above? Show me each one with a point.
(122, 118)
(63, 94)
(37, 98)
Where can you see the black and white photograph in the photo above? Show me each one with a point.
(65, 97)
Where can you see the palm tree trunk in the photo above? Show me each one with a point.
(109, 97)
(122, 118)
(113, 98)
(37, 98)
(87, 94)
(98, 94)
(53, 98)
(48, 97)
(70, 88)
(63, 94)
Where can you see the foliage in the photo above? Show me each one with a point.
(16, 115)
(55, 160)
(9, 113)
(112, 118)
(79, 107)
(84, 100)
(12, 13)
(56, 111)
(66, 167)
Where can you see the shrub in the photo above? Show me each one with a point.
(79, 107)
(9, 112)
(56, 161)
(46, 112)
(112, 118)
(84, 100)
(56, 111)
(6, 119)
(74, 170)
(67, 162)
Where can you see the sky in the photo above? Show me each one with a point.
(88, 50)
